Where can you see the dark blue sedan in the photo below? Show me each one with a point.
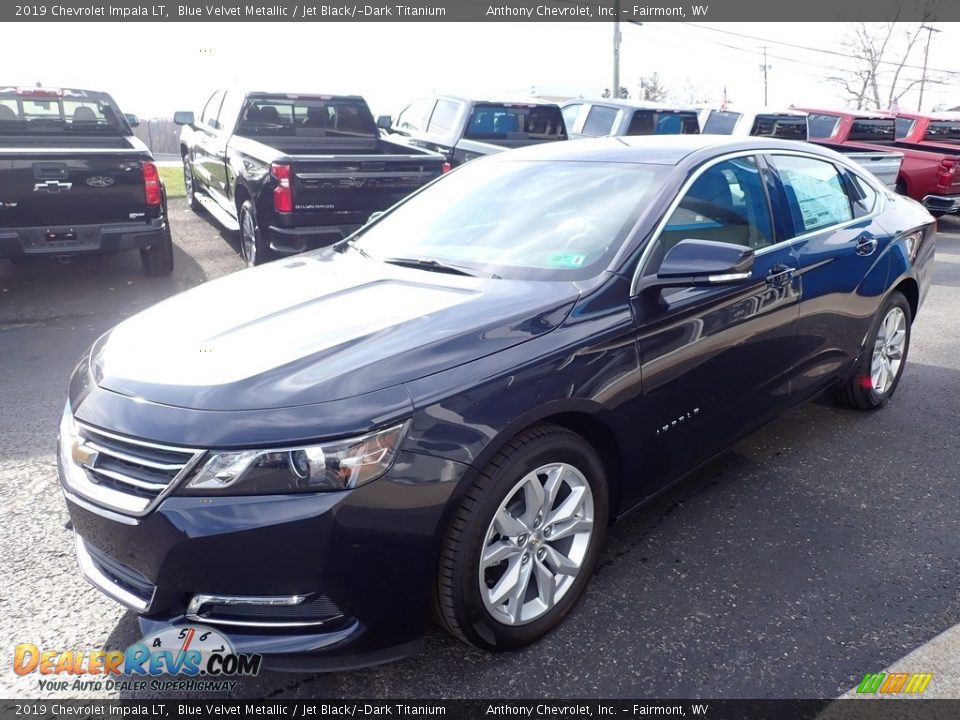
(442, 414)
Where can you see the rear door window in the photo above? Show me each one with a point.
(443, 118)
(600, 120)
(413, 119)
(815, 193)
(212, 110)
(903, 127)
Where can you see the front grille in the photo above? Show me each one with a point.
(126, 474)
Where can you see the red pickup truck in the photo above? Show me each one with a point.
(929, 173)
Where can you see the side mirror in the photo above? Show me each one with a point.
(374, 217)
(701, 263)
(132, 120)
(183, 117)
(384, 122)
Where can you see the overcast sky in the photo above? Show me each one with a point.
(154, 69)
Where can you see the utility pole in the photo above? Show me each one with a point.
(926, 53)
(615, 90)
(765, 67)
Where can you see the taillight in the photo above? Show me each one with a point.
(447, 167)
(948, 169)
(282, 193)
(152, 189)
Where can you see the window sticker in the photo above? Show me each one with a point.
(567, 260)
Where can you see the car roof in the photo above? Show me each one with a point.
(653, 149)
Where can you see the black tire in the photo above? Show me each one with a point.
(858, 391)
(190, 185)
(459, 604)
(157, 260)
(254, 249)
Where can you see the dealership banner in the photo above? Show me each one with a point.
(487, 709)
(478, 10)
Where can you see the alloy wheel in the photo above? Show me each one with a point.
(888, 350)
(248, 239)
(536, 544)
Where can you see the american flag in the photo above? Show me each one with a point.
(894, 106)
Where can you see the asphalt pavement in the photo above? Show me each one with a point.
(823, 547)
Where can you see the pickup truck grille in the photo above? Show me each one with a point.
(130, 475)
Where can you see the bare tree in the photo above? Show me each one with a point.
(882, 69)
(652, 89)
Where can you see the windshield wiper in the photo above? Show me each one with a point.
(431, 265)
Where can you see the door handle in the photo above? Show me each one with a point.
(866, 245)
(780, 275)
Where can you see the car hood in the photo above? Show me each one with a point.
(315, 328)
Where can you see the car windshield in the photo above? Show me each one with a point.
(32, 111)
(518, 219)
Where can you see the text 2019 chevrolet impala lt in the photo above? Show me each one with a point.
(443, 413)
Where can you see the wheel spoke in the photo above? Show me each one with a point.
(497, 552)
(546, 583)
(507, 525)
(533, 499)
(566, 528)
(559, 563)
(550, 489)
(506, 584)
(569, 507)
(519, 593)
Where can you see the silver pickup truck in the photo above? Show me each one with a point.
(792, 125)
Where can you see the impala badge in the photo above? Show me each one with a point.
(99, 181)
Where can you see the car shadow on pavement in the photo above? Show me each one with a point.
(818, 549)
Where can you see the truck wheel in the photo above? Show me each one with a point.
(157, 260)
(253, 247)
(880, 368)
(189, 184)
(524, 542)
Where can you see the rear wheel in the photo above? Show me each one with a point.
(253, 247)
(525, 540)
(189, 184)
(879, 369)
(157, 260)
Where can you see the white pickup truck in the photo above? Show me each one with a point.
(792, 125)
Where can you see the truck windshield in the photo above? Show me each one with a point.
(943, 131)
(39, 111)
(509, 121)
(306, 116)
(519, 219)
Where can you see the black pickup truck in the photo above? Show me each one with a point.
(293, 172)
(74, 180)
(463, 129)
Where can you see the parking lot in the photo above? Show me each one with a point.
(823, 547)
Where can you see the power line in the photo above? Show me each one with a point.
(808, 48)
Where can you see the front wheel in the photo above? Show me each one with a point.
(880, 367)
(524, 542)
(190, 185)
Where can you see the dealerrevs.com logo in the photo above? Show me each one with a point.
(205, 657)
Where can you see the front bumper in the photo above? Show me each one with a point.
(79, 239)
(942, 203)
(365, 559)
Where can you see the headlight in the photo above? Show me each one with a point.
(338, 465)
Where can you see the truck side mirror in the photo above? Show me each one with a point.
(183, 117)
(384, 122)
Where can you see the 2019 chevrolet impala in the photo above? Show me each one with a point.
(442, 413)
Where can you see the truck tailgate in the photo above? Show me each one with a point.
(362, 183)
(69, 187)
